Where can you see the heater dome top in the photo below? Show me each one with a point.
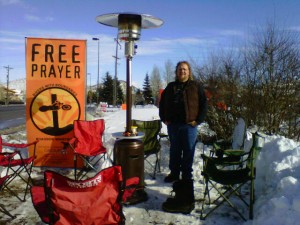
(114, 19)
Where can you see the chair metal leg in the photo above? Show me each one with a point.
(252, 197)
(3, 210)
(155, 167)
(158, 156)
(206, 192)
(153, 175)
(28, 181)
(225, 198)
(90, 164)
(75, 167)
(203, 217)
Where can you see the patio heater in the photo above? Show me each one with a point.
(128, 150)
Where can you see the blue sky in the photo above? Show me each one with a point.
(191, 30)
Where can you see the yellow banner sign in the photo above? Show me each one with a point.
(55, 96)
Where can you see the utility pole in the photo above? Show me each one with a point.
(7, 82)
(97, 92)
(116, 72)
(89, 93)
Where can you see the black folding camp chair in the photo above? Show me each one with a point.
(227, 181)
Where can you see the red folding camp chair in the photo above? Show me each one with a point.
(87, 145)
(97, 200)
(19, 165)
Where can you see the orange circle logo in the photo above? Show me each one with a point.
(53, 111)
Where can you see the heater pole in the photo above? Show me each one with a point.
(128, 94)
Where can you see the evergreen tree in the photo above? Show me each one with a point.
(147, 92)
(139, 99)
(120, 94)
(106, 93)
(106, 90)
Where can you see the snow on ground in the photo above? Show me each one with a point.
(277, 183)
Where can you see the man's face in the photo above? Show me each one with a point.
(183, 72)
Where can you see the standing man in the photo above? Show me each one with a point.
(182, 108)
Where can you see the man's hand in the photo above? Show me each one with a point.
(167, 122)
(193, 123)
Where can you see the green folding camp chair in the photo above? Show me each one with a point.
(151, 143)
(221, 176)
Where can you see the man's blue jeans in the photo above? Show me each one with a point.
(183, 139)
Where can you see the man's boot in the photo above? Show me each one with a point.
(184, 199)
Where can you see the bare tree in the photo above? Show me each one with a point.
(221, 77)
(169, 72)
(271, 74)
(209, 69)
(155, 82)
(261, 84)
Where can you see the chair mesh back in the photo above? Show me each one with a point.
(258, 142)
(239, 134)
(151, 129)
(89, 136)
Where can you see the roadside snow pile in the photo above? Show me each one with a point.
(278, 182)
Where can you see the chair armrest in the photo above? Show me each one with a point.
(7, 154)
(214, 160)
(234, 152)
(223, 144)
(162, 135)
(70, 143)
(223, 161)
(13, 145)
(6, 157)
(220, 146)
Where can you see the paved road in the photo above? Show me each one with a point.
(15, 115)
(12, 116)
